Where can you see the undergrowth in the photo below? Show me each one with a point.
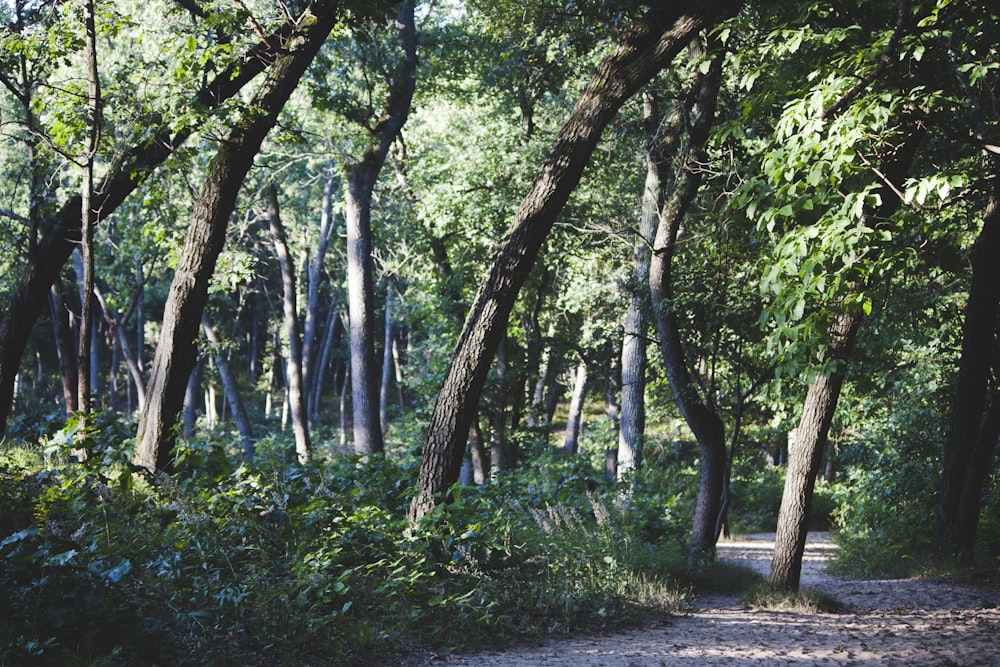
(278, 563)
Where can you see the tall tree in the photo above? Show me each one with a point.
(62, 229)
(645, 49)
(974, 426)
(176, 353)
(361, 178)
(293, 363)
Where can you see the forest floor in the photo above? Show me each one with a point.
(905, 622)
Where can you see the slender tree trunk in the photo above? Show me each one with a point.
(126, 350)
(232, 393)
(574, 420)
(64, 228)
(643, 52)
(633, 418)
(191, 401)
(703, 421)
(973, 427)
(62, 331)
(806, 454)
(90, 144)
(361, 179)
(175, 355)
(477, 450)
(326, 349)
(315, 272)
(383, 395)
(296, 387)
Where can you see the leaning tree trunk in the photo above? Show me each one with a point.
(972, 435)
(129, 171)
(703, 421)
(232, 393)
(176, 352)
(645, 50)
(806, 452)
(296, 387)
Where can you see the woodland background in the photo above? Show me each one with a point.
(425, 325)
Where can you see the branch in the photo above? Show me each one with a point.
(883, 62)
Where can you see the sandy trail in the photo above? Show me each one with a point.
(898, 622)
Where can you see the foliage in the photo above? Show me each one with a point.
(278, 563)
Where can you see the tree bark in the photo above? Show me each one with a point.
(703, 421)
(574, 420)
(383, 392)
(633, 412)
(644, 51)
(361, 179)
(315, 272)
(975, 410)
(296, 387)
(806, 453)
(240, 417)
(62, 331)
(175, 354)
(64, 229)
(90, 144)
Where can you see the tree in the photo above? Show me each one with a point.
(293, 365)
(644, 50)
(361, 178)
(61, 228)
(974, 426)
(699, 414)
(175, 354)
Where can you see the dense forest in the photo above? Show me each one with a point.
(333, 329)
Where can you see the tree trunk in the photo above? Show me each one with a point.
(326, 349)
(703, 421)
(574, 420)
(315, 272)
(383, 393)
(972, 429)
(116, 325)
(643, 52)
(232, 393)
(175, 354)
(296, 388)
(806, 454)
(64, 229)
(84, 351)
(62, 331)
(632, 429)
(477, 452)
(361, 178)
(191, 401)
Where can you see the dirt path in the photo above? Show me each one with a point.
(900, 622)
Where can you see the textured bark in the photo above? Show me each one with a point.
(176, 352)
(574, 420)
(386, 380)
(703, 421)
(92, 137)
(633, 412)
(64, 229)
(643, 52)
(240, 417)
(62, 331)
(361, 179)
(975, 411)
(313, 276)
(806, 454)
(293, 366)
